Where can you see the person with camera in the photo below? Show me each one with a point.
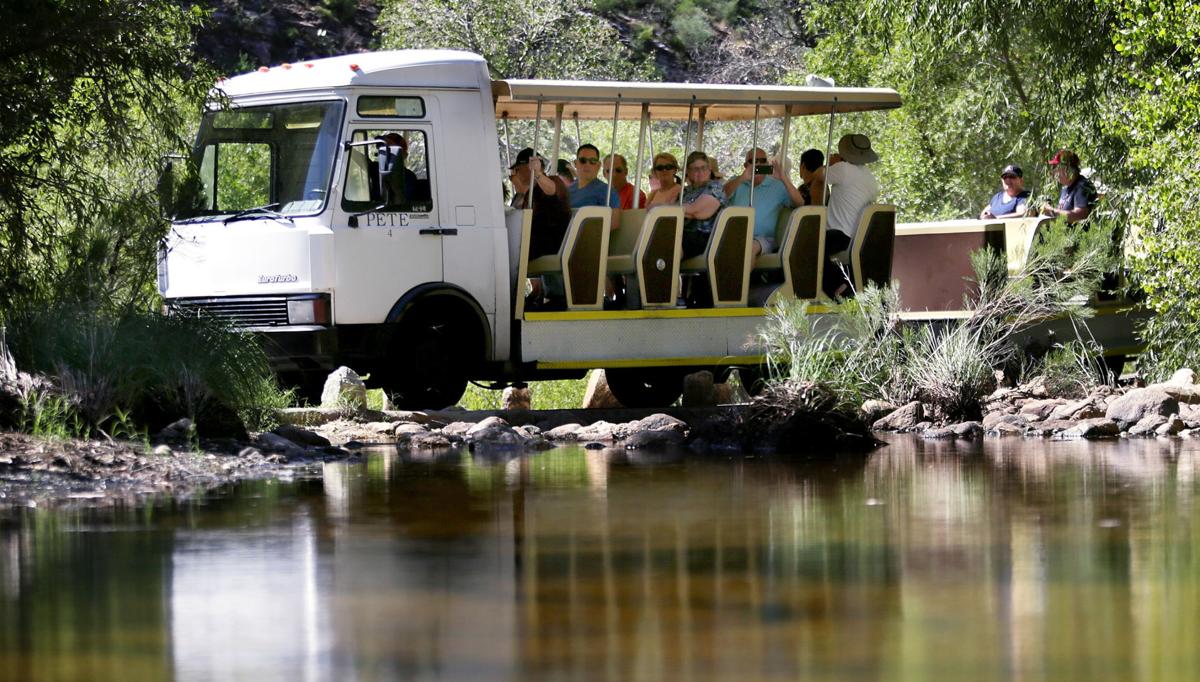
(772, 195)
(854, 187)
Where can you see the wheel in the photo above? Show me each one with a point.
(425, 368)
(645, 387)
(307, 385)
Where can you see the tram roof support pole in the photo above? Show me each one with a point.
(754, 151)
(507, 142)
(537, 130)
(558, 112)
(687, 138)
(828, 148)
(641, 148)
(612, 149)
(700, 127)
(783, 144)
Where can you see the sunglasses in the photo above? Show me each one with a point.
(665, 167)
(587, 160)
(616, 170)
(758, 162)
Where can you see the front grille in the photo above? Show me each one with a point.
(257, 311)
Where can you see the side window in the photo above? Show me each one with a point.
(392, 173)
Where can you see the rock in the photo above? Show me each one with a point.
(1189, 412)
(530, 430)
(1076, 409)
(902, 419)
(1131, 407)
(1172, 426)
(566, 432)
(405, 432)
(938, 434)
(344, 388)
(163, 451)
(275, 443)
(874, 410)
(967, 430)
(1101, 427)
(1005, 429)
(655, 422)
(431, 441)
(249, 453)
(379, 427)
(495, 431)
(698, 389)
(179, 430)
(1048, 428)
(515, 398)
(992, 419)
(1183, 377)
(407, 416)
(458, 429)
(1147, 425)
(922, 426)
(723, 394)
(1035, 387)
(598, 394)
(301, 436)
(598, 431)
(1184, 393)
(1041, 409)
(653, 439)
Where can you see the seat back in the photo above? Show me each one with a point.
(803, 251)
(871, 252)
(624, 240)
(584, 256)
(727, 258)
(657, 256)
(519, 224)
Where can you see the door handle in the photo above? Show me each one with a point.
(444, 231)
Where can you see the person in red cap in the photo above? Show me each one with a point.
(1077, 196)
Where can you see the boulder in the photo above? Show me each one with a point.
(431, 441)
(566, 432)
(1183, 377)
(1003, 429)
(178, 430)
(275, 443)
(598, 395)
(162, 451)
(1184, 393)
(1171, 427)
(515, 398)
(407, 416)
(723, 394)
(1076, 409)
(993, 419)
(458, 429)
(345, 389)
(655, 422)
(1147, 425)
(597, 431)
(874, 410)
(405, 432)
(902, 419)
(698, 389)
(1101, 427)
(1048, 428)
(495, 431)
(301, 436)
(967, 430)
(1131, 407)
(653, 439)
(944, 433)
(1041, 409)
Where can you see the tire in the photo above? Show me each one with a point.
(307, 385)
(645, 387)
(425, 371)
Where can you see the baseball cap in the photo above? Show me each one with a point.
(523, 157)
(1012, 169)
(1065, 156)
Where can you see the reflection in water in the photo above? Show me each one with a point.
(1007, 560)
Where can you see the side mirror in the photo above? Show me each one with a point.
(165, 189)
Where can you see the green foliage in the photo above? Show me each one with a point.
(119, 371)
(560, 394)
(94, 92)
(519, 40)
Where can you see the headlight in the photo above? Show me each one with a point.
(308, 310)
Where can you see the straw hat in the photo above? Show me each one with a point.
(856, 149)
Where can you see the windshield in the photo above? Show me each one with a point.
(278, 157)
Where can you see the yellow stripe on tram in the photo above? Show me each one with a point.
(653, 362)
(667, 314)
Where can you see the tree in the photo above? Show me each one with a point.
(519, 40)
(94, 91)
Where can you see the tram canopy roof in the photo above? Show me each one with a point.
(595, 100)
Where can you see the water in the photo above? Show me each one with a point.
(1012, 560)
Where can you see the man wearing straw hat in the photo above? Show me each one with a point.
(854, 187)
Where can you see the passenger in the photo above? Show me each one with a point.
(565, 171)
(616, 169)
(402, 182)
(551, 203)
(1078, 195)
(812, 175)
(668, 189)
(703, 199)
(854, 188)
(1012, 200)
(587, 190)
(772, 194)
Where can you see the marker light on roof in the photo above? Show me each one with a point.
(354, 67)
(286, 66)
(309, 65)
(263, 69)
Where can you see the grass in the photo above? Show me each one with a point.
(865, 353)
(561, 394)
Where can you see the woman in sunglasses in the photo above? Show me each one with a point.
(669, 188)
(704, 197)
